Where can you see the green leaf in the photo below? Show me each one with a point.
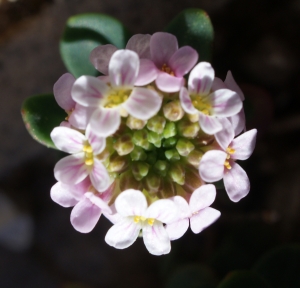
(193, 27)
(280, 266)
(244, 279)
(41, 114)
(82, 34)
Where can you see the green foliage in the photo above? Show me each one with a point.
(82, 34)
(41, 114)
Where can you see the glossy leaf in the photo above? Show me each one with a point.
(41, 114)
(193, 27)
(82, 34)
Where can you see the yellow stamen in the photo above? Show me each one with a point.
(89, 161)
(136, 219)
(151, 221)
(167, 69)
(227, 165)
(116, 98)
(230, 150)
(201, 104)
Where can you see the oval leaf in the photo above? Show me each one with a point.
(82, 34)
(193, 27)
(41, 114)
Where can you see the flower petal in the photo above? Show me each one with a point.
(225, 102)
(231, 84)
(202, 197)
(163, 210)
(183, 60)
(105, 122)
(100, 57)
(62, 91)
(85, 216)
(123, 68)
(168, 83)
(99, 176)
(61, 195)
(97, 143)
(218, 84)
(71, 169)
(236, 182)
(211, 166)
(131, 203)
(201, 78)
(143, 103)
(209, 124)
(226, 135)
(81, 116)
(186, 101)
(89, 91)
(140, 43)
(162, 47)
(156, 239)
(95, 199)
(147, 73)
(67, 139)
(244, 145)
(177, 229)
(182, 206)
(203, 219)
(238, 122)
(123, 233)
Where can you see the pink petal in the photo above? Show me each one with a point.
(186, 101)
(105, 122)
(226, 135)
(211, 166)
(123, 68)
(65, 124)
(182, 206)
(85, 216)
(140, 43)
(225, 102)
(89, 91)
(231, 84)
(98, 143)
(131, 203)
(209, 124)
(80, 117)
(218, 84)
(62, 91)
(236, 182)
(156, 239)
(99, 176)
(183, 60)
(177, 229)
(100, 57)
(143, 103)
(168, 83)
(71, 169)
(162, 47)
(201, 78)
(78, 190)
(202, 197)
(238, 122)
(95, 199)
(123, 233)
(147, 72)
(203, 219)
(61, 195)
(163, 210)
(244, 145)
(67, 139)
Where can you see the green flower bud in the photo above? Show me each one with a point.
(138, 154)
(128, 181)
(140, 170)
(167, 189)
(170, 142)
(194, 158)
(173, 110)
(156, 124)
(188, 129)
(172, 155)
(140, 138)
(117, 163)
(161, 167)
(170, 130)
(124, 145)
(134, 123)
(177, 173)
(152, 182)
(184, 147)
(154, 138)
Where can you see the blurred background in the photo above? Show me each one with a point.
(258, 40)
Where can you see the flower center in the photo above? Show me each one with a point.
(137, 219)
(89, 156)
(229, 151)
(201, 104)
(167, 69)
(116, 97)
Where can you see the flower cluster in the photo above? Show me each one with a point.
(145, 140)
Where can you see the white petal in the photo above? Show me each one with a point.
(113, 218)
(62, 196)
(99, 176)
(123, 233)
(201, 78)
(89, 91)
(209, 124)
(231, 84)
(202, 197)
(186, 101)
(143, 103)
(163, 210)
(244, 145)
(225, 136)
(67, 139)
(203, 219)
(211, 166)
(95, 199)
(147, 73)
(131, 203)
(123, 68)
(97, 143)
(140, 43)
(177, 229)
(105, 122)
(182, 206)
(238, 122)
(156, 239)
(236, 182)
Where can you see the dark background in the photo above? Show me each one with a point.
(258, 40)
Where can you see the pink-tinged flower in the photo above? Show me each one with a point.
(197, 212)
(209, 105)
(88, 203)
(83, 162)
(78, 116)
(172, 63)
(136, 215)
(118, 98)
(216, 164)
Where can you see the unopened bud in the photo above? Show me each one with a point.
(167, 189)
(151, 157)
(193, 117)
(192, 180)
(138, 154)
(170, 130)
(134, 123)
(152, 182)
(173, 110)
(184, 147)
(154, 138)
(177, 173)
(188, 129)
(140, 138)
(161, 167)
(156, 124)
(124, 145)
(140, 170)
(127, 181)
(194, 158)
(172, 155)
(117, 163)
(169, 142)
